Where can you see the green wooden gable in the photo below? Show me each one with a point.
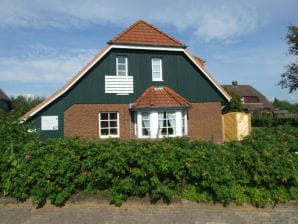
(179, 74)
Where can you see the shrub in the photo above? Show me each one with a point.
(261, 169)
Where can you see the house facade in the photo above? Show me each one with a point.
(143, 84)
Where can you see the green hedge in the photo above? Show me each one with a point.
(262, 169)
(268, 121)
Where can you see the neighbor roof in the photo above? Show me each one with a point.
(144, 33)
(3, 96)
(160, 97)
(247, 90)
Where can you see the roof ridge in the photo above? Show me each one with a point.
(163, 33)
(139, 22)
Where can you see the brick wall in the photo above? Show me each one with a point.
(205, 122)
(82, 120)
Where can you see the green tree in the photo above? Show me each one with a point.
(285, 105)
(235, 105)
(290, 77)
(22, 104)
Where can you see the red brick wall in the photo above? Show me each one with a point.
(205, 122)
(82, 120)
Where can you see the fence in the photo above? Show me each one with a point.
(236, 126)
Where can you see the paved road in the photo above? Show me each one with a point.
(139, 211)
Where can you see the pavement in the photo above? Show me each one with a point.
(86, 209)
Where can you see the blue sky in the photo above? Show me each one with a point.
(43, 43)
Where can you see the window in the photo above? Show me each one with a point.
(159, 124)
(145, 124)
(166, 123)
(156, 69)
(121, 66)
(250, 99)
(108, 124)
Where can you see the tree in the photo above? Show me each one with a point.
(22, 104)
(234, 105)
(285, 105)
(290, 77)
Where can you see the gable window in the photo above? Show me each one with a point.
(121, 66)
(159, 124)
(109, 124)
(156, 69)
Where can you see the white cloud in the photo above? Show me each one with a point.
(211, 20)
(225, 22)
(44, 67)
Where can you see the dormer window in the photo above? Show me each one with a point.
(156, 69)
(121, 66)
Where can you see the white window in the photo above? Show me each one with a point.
(108, 124)
(167, 123)
(121, 66)
(145, 124)
(159, 124)
(156, 69)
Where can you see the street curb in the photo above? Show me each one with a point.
(81, 200)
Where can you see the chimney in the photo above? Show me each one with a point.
(234, 83)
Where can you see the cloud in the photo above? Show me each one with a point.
(225, 22)
(44, 65)
(212, 20)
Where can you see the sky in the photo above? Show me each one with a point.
(44, 43)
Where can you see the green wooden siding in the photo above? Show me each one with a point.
(179, 74)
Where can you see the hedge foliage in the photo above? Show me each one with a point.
(262, 169)
(268, 121)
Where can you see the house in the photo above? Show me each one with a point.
(143, 84)
(252, 100)
(5, 102)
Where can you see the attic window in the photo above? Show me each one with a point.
(121, 66)
(156, 69)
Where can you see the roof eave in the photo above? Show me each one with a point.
(142, 108)
(146, 44)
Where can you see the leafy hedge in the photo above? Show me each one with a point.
(268, 121)
(261, 170)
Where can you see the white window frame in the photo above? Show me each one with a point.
(180, 117)
(118, 63)
(108, 128)
(157, 71)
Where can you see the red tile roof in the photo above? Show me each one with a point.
(143, 33)
(160, 97)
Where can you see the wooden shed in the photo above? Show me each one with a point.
(236, 126)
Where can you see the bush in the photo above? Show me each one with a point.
(262, 169)
(268, 121)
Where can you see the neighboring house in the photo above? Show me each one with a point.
(252, 100)
(5, 102)
(143, 84)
